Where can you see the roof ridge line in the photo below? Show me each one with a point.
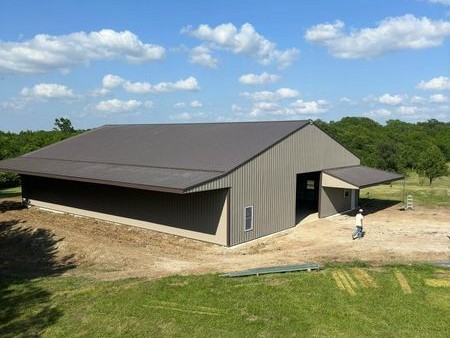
(201, 123)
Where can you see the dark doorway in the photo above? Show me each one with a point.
(307, 195)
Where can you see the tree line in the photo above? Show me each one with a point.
(397, 146)
(16, 144)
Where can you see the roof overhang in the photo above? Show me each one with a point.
(357, 177)
(138, 177)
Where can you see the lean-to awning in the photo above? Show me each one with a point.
(357, 177)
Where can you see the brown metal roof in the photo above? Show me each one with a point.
(362, 176)
(167, 157)
(149, 178)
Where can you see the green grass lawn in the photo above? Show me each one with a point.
(11, 192)
(438, 194)
(340, 301)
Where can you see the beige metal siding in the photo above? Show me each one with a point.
(201, 215)
(333, 182)
(268, 182)
(333, 200)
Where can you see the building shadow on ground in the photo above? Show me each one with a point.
(371, 205)
(27, 253)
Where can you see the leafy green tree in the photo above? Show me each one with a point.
(397, 146)
(358, 134)
(64, 125)
(440, 132)
(16, 144)
(432, 164)
(9, 180)
(386, 155)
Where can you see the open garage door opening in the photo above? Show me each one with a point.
(307, 195)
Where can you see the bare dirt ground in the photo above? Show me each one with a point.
(111, 251)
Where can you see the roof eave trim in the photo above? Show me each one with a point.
(382, 182)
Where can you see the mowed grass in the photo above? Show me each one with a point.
(10, 192)
(340, 301)
(438, 194)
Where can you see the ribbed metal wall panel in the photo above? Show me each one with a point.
(198, 212)
(333, 200)
(268, 182)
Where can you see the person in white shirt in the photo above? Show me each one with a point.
(358, 233)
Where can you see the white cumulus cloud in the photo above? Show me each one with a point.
(111, 81)
(438, 98)
(417, 99)
(100, 92)
(48, 91)
(258, 79)
(188, 84)
(266, 95)
(137, 87)
(45, 53)
(436, 83)
(391, 34)
(266, 106)
(193, 104)
(117, 106)
(382, 112)
(296, 109)
(325, 32)
(286, 93)
(392, 100)
(185, 116)
(13, 104)
(196, 104)
(409, 110)
(237, 109)
(244, 41)
(179, 105)
(202, 55)
(348, 101)
(310, 107)
(345, 99)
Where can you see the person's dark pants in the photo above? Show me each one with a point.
(358, 233)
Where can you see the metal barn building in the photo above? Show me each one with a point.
(226, 183)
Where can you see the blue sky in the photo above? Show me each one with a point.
(103, 62)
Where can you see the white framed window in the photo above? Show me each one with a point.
(248, 218)
(310, 185)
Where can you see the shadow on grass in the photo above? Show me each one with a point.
(25, 254)
(371, 205)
